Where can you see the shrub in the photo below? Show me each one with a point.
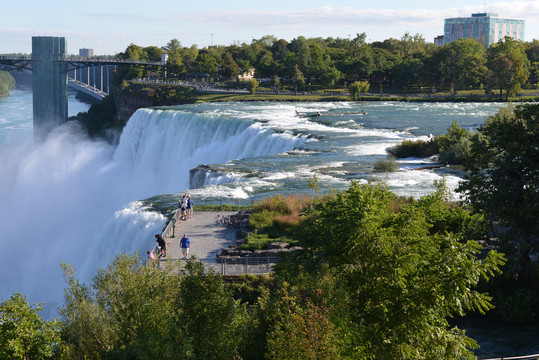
(387, 164)
(261, 220)
(457, 153)
(418, 148)
(283, 204)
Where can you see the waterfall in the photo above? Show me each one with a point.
(75, 200)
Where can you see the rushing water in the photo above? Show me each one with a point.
(74, 200)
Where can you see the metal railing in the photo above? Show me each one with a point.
(526, 357)
(240, 266)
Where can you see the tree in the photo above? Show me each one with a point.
(252, 85)
(297, 77)
(206, 63)
(144, 312)
(23, 334)
(398, 275)
(6, 83)
(123, 313)
(300, 329)
(503, 169)
(461, 63)
(229, 69)
(209, 323)
(409, 72)
(331, 76)
(174, 62)
(357, 88)
(507, 67)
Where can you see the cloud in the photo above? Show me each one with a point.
(346, 17)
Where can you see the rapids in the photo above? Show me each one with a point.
(80, 201)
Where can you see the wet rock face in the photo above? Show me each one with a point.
(198, 176)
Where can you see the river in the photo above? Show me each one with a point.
(74, 200)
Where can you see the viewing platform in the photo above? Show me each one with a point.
(207, 239)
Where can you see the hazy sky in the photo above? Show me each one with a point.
(110, 26)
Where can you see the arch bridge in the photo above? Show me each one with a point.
(50, 67)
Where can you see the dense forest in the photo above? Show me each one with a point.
(378, 276)
(406, 64)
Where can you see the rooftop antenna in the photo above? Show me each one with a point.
(485, 5)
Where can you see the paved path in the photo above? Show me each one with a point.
(206, 239)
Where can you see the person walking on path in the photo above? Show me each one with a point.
(162, 244)
(185, 244)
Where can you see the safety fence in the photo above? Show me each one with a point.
(526, 357)
(238, 266)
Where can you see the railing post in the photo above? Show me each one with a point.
(246, 265)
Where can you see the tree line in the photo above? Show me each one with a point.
(405, 64)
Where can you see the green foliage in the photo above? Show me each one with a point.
(503, 169)
(205, 63)
(358, 87)
(210, 324)
(300, 329)
(508, 67)
(256, 241)
(387, 164)
(248, 288)
(396, 270)
(461, 63)
(455, 146)
(6, 83)
(136, 311)
(252, 85)
(23, 334)
(261, 220)
(417, 148)
(230, 68)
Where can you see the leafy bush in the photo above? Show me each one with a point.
(455, 146)
(387, 164)
(457, 153)
(418, 148)
(248, 288)
(261, 220)
(6, 82)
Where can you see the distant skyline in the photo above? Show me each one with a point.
(109, 27)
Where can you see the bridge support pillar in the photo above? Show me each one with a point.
(49, 84)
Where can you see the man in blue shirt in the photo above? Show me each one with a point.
(185, 244)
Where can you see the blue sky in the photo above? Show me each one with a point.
(109, 27)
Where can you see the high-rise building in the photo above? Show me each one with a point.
(486, 28)
(87, 53)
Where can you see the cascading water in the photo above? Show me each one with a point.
(74, 200)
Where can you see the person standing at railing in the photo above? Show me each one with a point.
(162, 244)
(185, 244)
(151, 260)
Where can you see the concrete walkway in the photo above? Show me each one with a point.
(206, 238)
